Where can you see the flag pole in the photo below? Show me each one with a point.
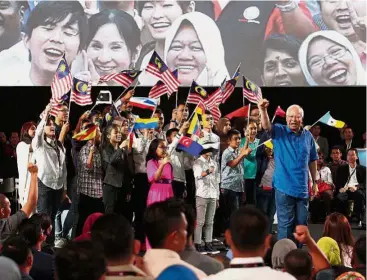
(69, 106)
(155, 108)
(263, 143)
(176, 99)
(274, 115)
(248, 114)
(192, 114)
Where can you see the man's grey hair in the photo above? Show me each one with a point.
(300, 109)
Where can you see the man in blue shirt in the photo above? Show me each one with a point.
(295, 155)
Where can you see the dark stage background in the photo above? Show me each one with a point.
(21, 104)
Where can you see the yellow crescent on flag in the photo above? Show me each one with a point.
(158, 63)
(250, 86)
(200, 91)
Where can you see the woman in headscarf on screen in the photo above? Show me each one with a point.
(194, 47)
(113, 45)
(158, 17)
(328, 58)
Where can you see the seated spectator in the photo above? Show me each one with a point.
(348, 141)
(359, 255)
(115, 234)
(338, 228)
(249, 238)
(321, 141)
(351, 185)
(280, 250)
(298, 263)
(80, 261)
(46, 224)
(269, 252)
(177, 272)
(9, 269)
(89, 222)
(9, 224)
(330, 249)
(165, 226)
(17, 249)
(325, 184)
(42, 268)
(336, 161)
(190, 255)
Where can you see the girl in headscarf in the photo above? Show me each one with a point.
(24, 153)
(194, 46)
(328, 58)
(280, 250)
(331, 250)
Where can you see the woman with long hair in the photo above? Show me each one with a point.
(222, 127)
(116, 183)
(338, 228)
(160, 173)
(24, 152)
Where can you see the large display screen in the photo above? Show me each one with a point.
(276, 43)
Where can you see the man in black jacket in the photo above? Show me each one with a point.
(351, 185)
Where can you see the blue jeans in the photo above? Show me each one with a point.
(291, 211)
(265, 201)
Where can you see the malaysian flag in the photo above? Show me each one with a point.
(158, 90)
(231, 85)
(81, 92)
(158, 68)
(55, 109)
(61, 83)
(198, 94)
(251, 91)
(124, 78)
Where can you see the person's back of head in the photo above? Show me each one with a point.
(17, 249)
(359, 252)
(248, 232)
(44, 220)
(115, 234)
(9, 270)
(165, 225)
(298, 263)
(32, 232)
(80, 261)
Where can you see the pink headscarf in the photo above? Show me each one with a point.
(89, 222)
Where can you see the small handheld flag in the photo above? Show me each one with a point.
(231, 85)
(146, 123)
(104, 97)
(278, 112)
(143, 102)
(251, 91)
(329, 120)
(124, 78)
(81, 92)
(197, 94)
(61, 83)
(241, 112)
(189, 146)
(158, 90)
(156, 65)
(88, 134)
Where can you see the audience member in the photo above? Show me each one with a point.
(359, 255)
(330, 249)
(80, 261)
(116, 236)
(42, 268)
(9, 224)
(9, 269)
(88, 224)
(351, 185)
(249, 238)
(280, 250)
(338, 228)
(46, 225)
(336, 161)
(298, 263)
(165, 225)
(190, 254)
(348, 142)
(177, 272)
(17, 249)
(321, 141)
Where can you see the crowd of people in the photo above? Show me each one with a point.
(140, 206)
(280, 43)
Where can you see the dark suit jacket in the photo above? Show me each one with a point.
(355, 144)
(342, 176)
(242, 40)
(116, 168)
(43, 266)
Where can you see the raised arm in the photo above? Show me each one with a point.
(265, 121)
(31, 203)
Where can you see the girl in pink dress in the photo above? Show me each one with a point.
(160, 173)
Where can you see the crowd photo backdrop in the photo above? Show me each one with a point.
(277, 43)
